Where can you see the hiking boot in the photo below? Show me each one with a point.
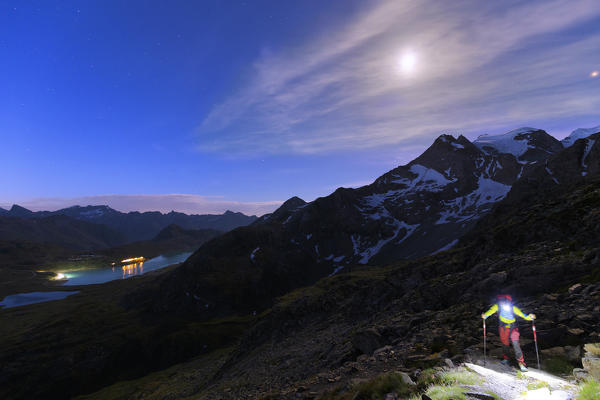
(506, 363)
(522, 367)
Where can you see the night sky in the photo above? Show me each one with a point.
(213, 105)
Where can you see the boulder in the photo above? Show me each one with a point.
(580, 373)
(406, 379)
(554, 352)
(591, 360)
(593, 349)
(575, 288)
(383, 349)
(367, 341)
(592, 366)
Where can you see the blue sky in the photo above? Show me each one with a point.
(204, 106)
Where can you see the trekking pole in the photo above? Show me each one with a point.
(535, 341)
(484, 344)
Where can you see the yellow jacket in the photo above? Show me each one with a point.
(506, 316)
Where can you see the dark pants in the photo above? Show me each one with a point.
(511, 335)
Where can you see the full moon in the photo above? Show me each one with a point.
(407, 62)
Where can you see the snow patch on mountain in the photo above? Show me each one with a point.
(336, 270)
(552, 175)
(427, 179)
(506, 143)
(371, 251)
(446, 247)
(253, 254)
(580, 133)
(467, 207)
(91, 213)
(588, 147)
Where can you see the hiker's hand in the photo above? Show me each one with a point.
(483, 316)
(532, 316)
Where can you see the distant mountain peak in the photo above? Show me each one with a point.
(580, 133)
(293, 202)
(526, 144)
(18, 211)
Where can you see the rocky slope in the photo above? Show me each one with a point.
(328, 338)
(413, 210)
(136, 226)
(412, 315)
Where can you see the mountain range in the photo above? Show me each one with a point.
(414, 210)
(108, 226)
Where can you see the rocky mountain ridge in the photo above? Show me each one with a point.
(414, 210)
(323, 341)
(543, 249)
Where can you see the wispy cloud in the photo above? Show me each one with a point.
(480, 66)
(186, 203)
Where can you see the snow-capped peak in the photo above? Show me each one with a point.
(513, 142)
(579, 134)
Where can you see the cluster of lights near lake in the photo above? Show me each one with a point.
(124, 269)
(92, 276)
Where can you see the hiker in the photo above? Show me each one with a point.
(507, 327)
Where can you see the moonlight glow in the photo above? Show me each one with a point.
(407, 62)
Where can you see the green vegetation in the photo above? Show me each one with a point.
(459, 377)
(589, 390)
(494, 395)
(428, 377)
(443, 392)
(373, 389)
(538, 385)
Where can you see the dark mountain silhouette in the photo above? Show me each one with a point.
(60, 230)
(136, 226)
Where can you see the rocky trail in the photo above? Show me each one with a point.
(509, 384)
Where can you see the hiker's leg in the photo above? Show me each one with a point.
(514, 338)
(504, 338)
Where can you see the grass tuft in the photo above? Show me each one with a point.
(589, 390)
(459, 377)
(442, 392)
